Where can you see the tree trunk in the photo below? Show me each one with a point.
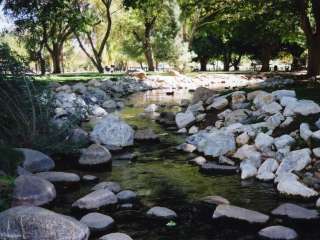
(226, 61)
(56, 58)
(265, 61)
(203, 64)
(149, 57)
(314, 58)
(42, 64)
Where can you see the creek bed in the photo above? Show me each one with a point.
(161, 176)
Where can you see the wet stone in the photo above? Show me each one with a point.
(278, 233)
(295, 212)
(97, 222)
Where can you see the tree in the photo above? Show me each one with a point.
(309, 13)
(153, 19)
(52, 21)
(93, 22)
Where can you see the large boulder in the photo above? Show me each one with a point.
(295, 212)
(113, 132)
(240, 214)
(35, 161)
(27, 222)
(184, 119)
(217, 143)
(97, 199)
(278, 232)
(306, 107)
(32, 190)
(95, 155)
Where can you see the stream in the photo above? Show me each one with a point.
(162, 176)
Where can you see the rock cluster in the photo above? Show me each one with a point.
(251, 130)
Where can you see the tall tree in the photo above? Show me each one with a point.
(50, 18)
(95, 16)
(153, 17)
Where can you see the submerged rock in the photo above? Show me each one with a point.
(145, 134)
(295, 212)
(113, 132)
(214, 200)
(241, 214)
(35, 161)
(212, 168)
(162, 213)
(278, 233)
(32, 190)
(26, 222)
(96, 199)
(126, 196)
(97, 222)
(116, 236)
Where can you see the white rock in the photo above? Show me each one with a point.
(288, 101)
(305, 132)
(252, 95)
(238, 97)
(287, 122)
(295, 161)
(278, 232)
(247, 151)
(198, 160)
(283, 141)
(279, 94)
(271, 108)
(218, 103)
(217, 143)
(193, 130)
(316, 152)
(263, 141)
(243, 139)
(267, 169)
(151, 108)
(263, 98)
(248, 170)
(289, 186)
(306, 107)
(184, 119)
(162, 213)
(182, 130)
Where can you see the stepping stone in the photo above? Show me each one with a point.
(295, 212)
(162, 213)
(111, 186)
(238, 213)
(58, 177)
(116, 236)
(217, 168)
(97, 222)
(96, 199)
(278, 233)
(126, 196)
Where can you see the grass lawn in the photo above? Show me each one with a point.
(75, 77)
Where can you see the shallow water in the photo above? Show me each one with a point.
(161, 176)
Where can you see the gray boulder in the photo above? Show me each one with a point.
(241, 214)
(116, 236)
(32, 190)
(27, 222)
(184, 119)
(306, 107)
(278, 233)
(35, 161)
(279, 94)
(95, 155)
(295, 212)
(96, 199)
(97, 222)
(218, 103)
(113, 132)
(162, 213)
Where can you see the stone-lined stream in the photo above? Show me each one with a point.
(161, 176)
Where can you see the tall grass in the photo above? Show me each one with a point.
(25, 107)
